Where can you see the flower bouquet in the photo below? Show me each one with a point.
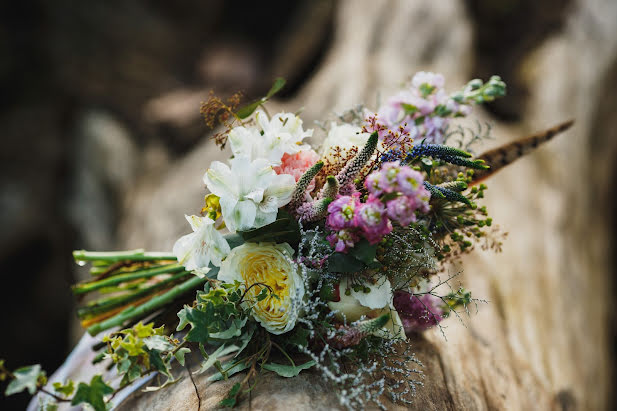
(302, 257)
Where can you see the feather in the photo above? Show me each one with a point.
(501, 156)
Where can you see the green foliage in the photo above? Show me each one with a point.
(284, 229)
(93, 393)
(288, 371)
(246, 111)
(65, 389)
(232, 396)
(140, 350)
(26, 378)
(358, 258)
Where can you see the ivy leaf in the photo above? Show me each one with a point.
(158, 342)
(199, 321)
(65, 389)
(212, 358)
(158, 363)
(284, 229)
(25, 378)
(93, 393)
(288, 371)
(230, 400)
(180, 354)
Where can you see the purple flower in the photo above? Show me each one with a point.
(342, 212)
(343, 240)
(372, 219)
(418, 313)
(402, 209)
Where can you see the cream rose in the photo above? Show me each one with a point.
(268, 264)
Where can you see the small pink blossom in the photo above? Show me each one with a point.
(343, 240)
(342, 212)
(402, 209)
(372, 219)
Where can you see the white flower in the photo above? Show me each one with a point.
(372, 305)
(271, 265)
(282, 134)
(250, 192)
(344, 136)
(204, 246)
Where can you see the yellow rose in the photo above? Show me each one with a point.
(269, 264)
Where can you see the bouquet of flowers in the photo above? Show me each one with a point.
(302, 257)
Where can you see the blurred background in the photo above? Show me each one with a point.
(102, 98)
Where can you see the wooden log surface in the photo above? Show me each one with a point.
(541, 341)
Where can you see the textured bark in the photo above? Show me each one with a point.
(541, 341)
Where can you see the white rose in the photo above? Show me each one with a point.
(269, 264)
(344, 136)
(372, 305)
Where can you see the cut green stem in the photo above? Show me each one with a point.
(121, 278)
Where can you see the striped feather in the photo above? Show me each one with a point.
(500, 157)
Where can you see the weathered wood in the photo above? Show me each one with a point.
(541, 341)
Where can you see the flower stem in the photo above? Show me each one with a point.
(121, 278)
(150, 306)
(114, 256)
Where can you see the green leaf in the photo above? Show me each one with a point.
(92, 393)
(246, 338)
(409, 108)
(158, 342)
(233, 331)
(284, 229)
(236, 368)
(199, 321)
(158, 363)
(344, 263)
(364, 251)
(25, 378)
(212, 358)
(180, 354)
(299, 337)
(232, 396)
(279, 83)
(246, 111)
(66, 389)
(288, 371)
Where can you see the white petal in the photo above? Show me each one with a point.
(220, 180)
(264, 218)
(379, 296)
(280, 190)
(243, 216)
(183, 247)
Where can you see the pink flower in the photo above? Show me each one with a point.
(342, 212)
(296, 164)
(343, 240)
(372, 219)
(409, 181)
(402, 209)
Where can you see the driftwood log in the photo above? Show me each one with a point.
(542, 340)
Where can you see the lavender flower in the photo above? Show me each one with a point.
(342, 212)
